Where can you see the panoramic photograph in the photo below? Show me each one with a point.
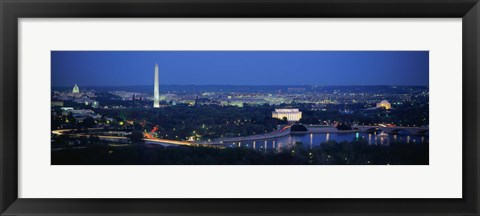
(239, 108)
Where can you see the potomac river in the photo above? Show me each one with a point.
(315, 136)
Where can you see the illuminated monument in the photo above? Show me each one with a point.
(75, 89)
(156, 94)
(384, 104)
(292, 115)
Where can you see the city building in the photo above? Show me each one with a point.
(346, 111)
(57, 103)
(156, 93)
(240, 101)
(75, 89)
(205, 101)
(125, 95)
(384, 104)
(296, 90)
(95, 104)
(80, 114)
(66, 109)
(292, 115)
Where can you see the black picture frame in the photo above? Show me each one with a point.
(12, 10)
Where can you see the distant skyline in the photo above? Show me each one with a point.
(136, 68)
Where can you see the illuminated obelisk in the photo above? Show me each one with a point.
(156, 94)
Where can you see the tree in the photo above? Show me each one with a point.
(344, 126)
(70, 118)
(298, 127)
(136, 137)
(89, 122)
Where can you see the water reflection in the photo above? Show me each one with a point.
(313, 140)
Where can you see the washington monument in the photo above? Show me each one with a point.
(156, 94)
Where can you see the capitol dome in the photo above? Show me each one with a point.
(75, 89)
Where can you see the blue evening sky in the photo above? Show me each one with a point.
(124, 68)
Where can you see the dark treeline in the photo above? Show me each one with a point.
(331, 153)
(204, 122)
(408, 114)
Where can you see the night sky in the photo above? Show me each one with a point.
(126, 68)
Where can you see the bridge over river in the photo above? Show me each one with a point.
(316, 129)
(284, 131)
